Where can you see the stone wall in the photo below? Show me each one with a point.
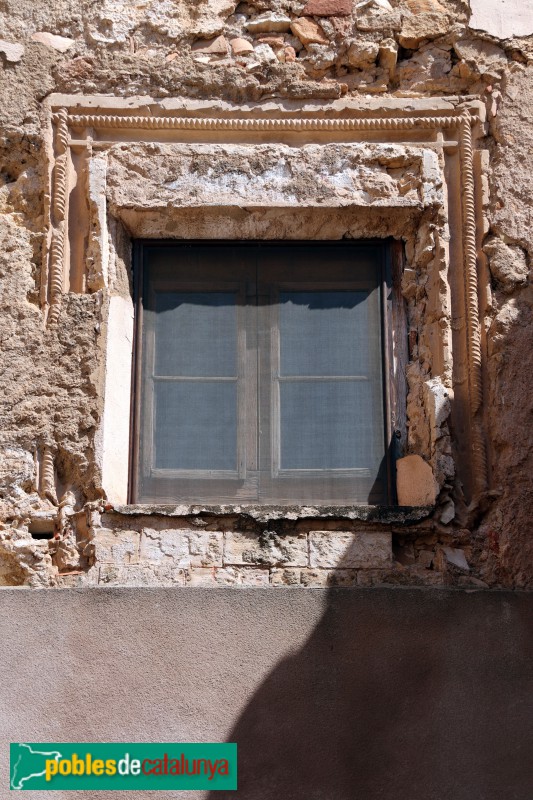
(62, 521)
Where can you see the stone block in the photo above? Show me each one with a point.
(205, 548)
(328, 8)
(12, 52)
(142, 575)
(227, 576)
(381, 21)
(418, 27)
(362, 54)
(183, 547)
(116, 547)
(269, 22)
(167, 545)
(347, 549)
(456, 557)
(217, 46)
(266, 548)
(415, 483)
(388, 54)
(61, 43)
(241, 47)
(308, 31)
(241, 576)
(285, 577)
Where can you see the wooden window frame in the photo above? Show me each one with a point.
(394, 359)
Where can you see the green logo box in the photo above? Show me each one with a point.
(134, 766)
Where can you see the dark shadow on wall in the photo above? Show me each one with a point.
(397, 695)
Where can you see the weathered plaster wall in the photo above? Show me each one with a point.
(330, 695)
(52, 417)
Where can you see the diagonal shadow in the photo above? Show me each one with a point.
(397, 694)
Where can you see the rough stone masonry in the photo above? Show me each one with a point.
(59, 525)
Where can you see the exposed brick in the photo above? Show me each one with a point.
(240, 46)
(308, 31)
(328, 8)
(346, 549)
(217, 46)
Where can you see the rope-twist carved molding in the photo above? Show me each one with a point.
(472, 302)
(48, 483)
(462, 121)
(57, 251)
(265, 124)
(60, 188)
(61, 120)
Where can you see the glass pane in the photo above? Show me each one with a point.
(195, 425)
(196, 334)
(324, 333)
(328, 425)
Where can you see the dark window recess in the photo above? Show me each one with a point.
(260, 373)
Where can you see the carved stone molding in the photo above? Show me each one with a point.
(86, 126)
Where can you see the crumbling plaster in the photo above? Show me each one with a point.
(58, 396)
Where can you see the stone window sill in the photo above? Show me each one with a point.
(384, 515)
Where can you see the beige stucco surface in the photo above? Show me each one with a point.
(328, 694)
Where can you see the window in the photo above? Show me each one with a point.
(260, 373)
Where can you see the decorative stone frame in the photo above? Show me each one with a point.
(77, 250)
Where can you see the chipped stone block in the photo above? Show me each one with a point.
(61, 43)
(241, 46)
(424, 6)
(320, 57)
(12, 52)
(342, 577)
(217, 46)
(265, 54)
(379, 5)
(267, 548)
(116, 547)
(379, 20)
(308, 31)
(481, 56)
(415, 483)
(328, 8)
(347, 549)
(436, 397)
(285, 577)
(388, 54)
(418, 27)
(456, 557)
(17, 469)
(183, 547)
(142, 575)
(362, 54)
(166, 545)
(205, 548)
(227, 576)
(242, 576)
(314, 578)
(507, 264)
(269, 22)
